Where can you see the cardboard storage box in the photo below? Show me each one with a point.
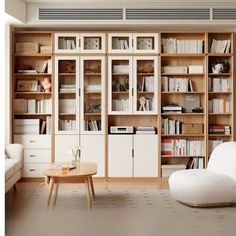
(190, 128)
(27, 47)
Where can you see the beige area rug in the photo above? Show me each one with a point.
(114, 213)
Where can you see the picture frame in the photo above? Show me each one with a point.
(27, 86)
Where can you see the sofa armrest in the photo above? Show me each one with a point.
(15, 151)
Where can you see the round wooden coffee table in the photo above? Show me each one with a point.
(82, 174)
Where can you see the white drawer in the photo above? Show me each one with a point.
(33, 141)
(34, 170)
(37, 156)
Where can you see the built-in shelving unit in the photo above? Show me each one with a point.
(178, 83)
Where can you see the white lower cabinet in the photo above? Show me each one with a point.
(145, 156)
(132, 156)
(63, 147)
(120, 159)
(34, 170)
(93, 150)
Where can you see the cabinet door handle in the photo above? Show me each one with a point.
(32, 141)
(32, 155)
(32, 170)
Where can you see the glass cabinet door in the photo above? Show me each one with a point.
(145, 85)
(92, 42)
(92, 95)
(120, 43)
(120, 85)
(66, 95)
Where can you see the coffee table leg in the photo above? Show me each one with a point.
(55, 196)
(89, 200)
(90, 179)
(51, 183)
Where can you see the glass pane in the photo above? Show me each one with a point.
(120, 43)
(67, 95)
(67, 43)
(145, 43)
(92, 43)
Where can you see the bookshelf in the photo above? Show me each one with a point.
(100, 79)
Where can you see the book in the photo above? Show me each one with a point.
(43, 127)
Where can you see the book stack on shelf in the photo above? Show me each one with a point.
(195, 163)
(120, 104)
(93, 88)
(219, 84)
(219, 129)
(219, 105)
(172, 108)
(67, 88)
(146, 84)
(173, 45)
(170, 126)
(67, 43)
(212, 144)
(145, 130)
(220, 46)
(33, 106)
(120, 43)
(176, 84)
(92, 125)
(67, 125)
(182, 147)
(194, 69)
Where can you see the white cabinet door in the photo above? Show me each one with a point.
(63, 146)
(93, 150)
(120, 159)
(145, 156)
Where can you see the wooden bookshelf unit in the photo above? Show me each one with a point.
(180, 84)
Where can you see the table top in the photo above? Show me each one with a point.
(83, 169)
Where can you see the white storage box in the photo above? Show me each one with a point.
(195, 69)
(121, 69)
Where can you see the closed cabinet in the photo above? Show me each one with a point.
(145, 156)
(63, 147)
(132, 156)
(37, 156)
(120, 159)
(67, 42)
(34, 170)
(93, 150)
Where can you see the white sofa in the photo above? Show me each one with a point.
(13, 164)
(213, 186)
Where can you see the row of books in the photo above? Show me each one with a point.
(219, 84)
(92, 125)
(173, 45)
(219, 105)
(146, 105)
(195, 163)
(212, 144)
(67, 88)
(182, 147)
(220, 46)
(176, 84)
(145, 130)
(147, 84)
(219, 129)
(120, 44)
(172, 108)
(67, 125)
(120, 104)
(170, 126)
(32, 126)
(46, 68)
(33, 106)
(65, 43)
(67, 106)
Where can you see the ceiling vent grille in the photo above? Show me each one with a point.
(80, 14)
(224, 13)
(168, 14)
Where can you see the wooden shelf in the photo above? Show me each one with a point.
(120, 92)
(32, 114)
(67, 74)
(120, 74)
(67, 114)
(145, 92)
(182, 92)
(183, 54)
(32, 74)
(145, 74)
(33, 93)
(92, 74)
(219, 54)
(92, 114)
(219, 74)
(220, 114)
(182, 74)
(182, 135)
(219, 135)
(183, 114)
(92, 92)
(181, 156)
(32, 55)
(219, 92)
(67, 92)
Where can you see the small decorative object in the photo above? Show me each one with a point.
(46, 85)
(94, 108)
(197, 109)
(76, 154)
(219, 66)
(67, 66)
(27, 85)
(142, 101)
(24, 67)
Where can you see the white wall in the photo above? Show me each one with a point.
(16, 8)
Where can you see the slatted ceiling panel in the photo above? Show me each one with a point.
(168, 14)
(224, 13)
(80, 14)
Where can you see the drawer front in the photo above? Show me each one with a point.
(37, 156)
(34, 170)
(33, 141)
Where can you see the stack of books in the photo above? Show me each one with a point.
(212, 144)
(172, 108)
(173, 45)
(182, 147)
(219, 129)
(219, 85)
(120, 104)
(170, 126)
(145, 130)
(176, 84)
(68, 88)
(119, 44)
(67, 125)
(219, 105)
(27, 126)
(147, 84)
(92, 125)
(93, 88)
(220, 46)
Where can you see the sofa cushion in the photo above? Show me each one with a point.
(11, 167)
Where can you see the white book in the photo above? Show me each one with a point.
(31, 106)
(20, 106)
(27, 122)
